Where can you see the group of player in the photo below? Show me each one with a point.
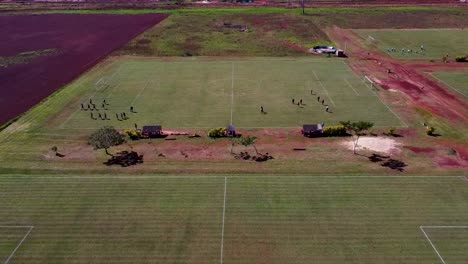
(403, 51)
(300, 103)
(91, 106)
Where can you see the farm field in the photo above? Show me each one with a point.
(41, 53)
(436, 42)
(457, 82)
(235, 219)
(207, 93)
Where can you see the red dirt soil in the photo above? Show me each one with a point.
(81, 41)
(423, 92)
(420, 150)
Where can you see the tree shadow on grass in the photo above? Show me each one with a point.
(125, 159)
(387, 162)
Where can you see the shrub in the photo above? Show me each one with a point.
(334, 131)
(461, 59)
(391, 131)
(133, 134)
(430, 130)
(105, 138)
(217, 132)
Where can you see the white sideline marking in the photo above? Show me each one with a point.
(430, 242)
(19, 244)
(224, 213)
(446, 84)
(232, 89)
(324, 89)
(399, 118)
(139, 93)
(309, 177)
(346, 80)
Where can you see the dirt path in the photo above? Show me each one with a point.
(407, 78)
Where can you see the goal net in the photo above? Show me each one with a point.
(369, 83)
(371, 40)
(101, 84)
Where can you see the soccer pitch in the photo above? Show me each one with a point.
(437, 42)
(208, 93)
(234, 219)
(457, 82)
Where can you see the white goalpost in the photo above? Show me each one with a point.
(101, 84)
(369, 83)
(371, 40)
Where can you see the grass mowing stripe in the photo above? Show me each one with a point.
(232, 89)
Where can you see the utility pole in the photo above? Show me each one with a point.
(303, 6)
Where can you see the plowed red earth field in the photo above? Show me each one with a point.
(78, 42)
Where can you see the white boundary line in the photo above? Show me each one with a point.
(323, 88)
(19, 244)
(448, 85)
(224, 213)
(347, 82)
(139, 93)
(397, 116)
(232, 89)
(464, 178)
(430, 242)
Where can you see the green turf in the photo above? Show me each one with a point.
(165, 219)
(199, 93)
(436, 42)
(457, 82)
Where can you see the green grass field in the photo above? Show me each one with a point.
(249, 219)
(457, 82)
(199, 93)
(437, 42)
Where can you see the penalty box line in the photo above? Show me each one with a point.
(30, 228)
(90, 97)
(323, 88)
(432, 244)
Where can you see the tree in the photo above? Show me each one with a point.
(357, 129)
(105, 138)
(248, 141)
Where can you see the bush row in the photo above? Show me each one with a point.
(334, 131)
(461, 59)
(217, 132)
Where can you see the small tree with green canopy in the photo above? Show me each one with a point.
(105, 138)
(248, 141)
(357, 129)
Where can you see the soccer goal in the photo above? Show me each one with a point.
(371, 40)
(102, 84)
(369, 83)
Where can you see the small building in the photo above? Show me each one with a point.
(231, 131)
(312, 130)
(152, 131)
(340, 53)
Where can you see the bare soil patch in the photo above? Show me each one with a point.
(383, 145)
